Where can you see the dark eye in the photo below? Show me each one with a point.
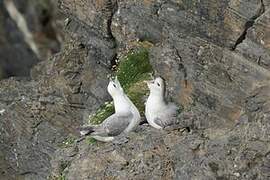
(158, 84)
(114, 85)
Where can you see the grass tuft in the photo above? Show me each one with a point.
(134, 67)
(69, 141)
(91, 140)
(132, 70)
(103, 112)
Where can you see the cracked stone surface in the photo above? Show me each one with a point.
(16, 57)
(215, 66)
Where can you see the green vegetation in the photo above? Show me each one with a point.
(90, 140)
(103, 112)
(69, 141)
(136, 93)
(134, 67)
(132, 70)
(62, 177)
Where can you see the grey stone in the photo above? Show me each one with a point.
(214, 57)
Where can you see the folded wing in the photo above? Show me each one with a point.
(112, 126)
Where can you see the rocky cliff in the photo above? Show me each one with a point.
(215, 56)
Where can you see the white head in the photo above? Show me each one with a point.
(157, 86)
(114, 88)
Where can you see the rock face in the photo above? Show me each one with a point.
(215, 57)
(42, 113)
(17, 56)
(13, 48)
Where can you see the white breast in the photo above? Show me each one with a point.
(153, 108)
(135, 121)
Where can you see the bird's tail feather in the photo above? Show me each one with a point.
(86, 130)
(104, 139)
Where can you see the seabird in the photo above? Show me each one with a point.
(158, 112)
(124, 120)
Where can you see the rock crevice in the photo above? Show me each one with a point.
(249, 24)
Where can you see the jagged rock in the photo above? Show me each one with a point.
(257, 43)
(192, 51)
(42, 113)
(17, 58)
(92, 19)
(13, 48)
(220, 22)
(214, 56)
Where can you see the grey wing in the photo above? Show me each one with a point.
(116, 124)
(165, 120)
(159, 122)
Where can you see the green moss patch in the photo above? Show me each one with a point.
(91, 140)
(103, 112)
(60, 177)
(132, 70)
(137, 93)
(69, 141)
(134, 67)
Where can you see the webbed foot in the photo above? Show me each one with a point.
(121, 139)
